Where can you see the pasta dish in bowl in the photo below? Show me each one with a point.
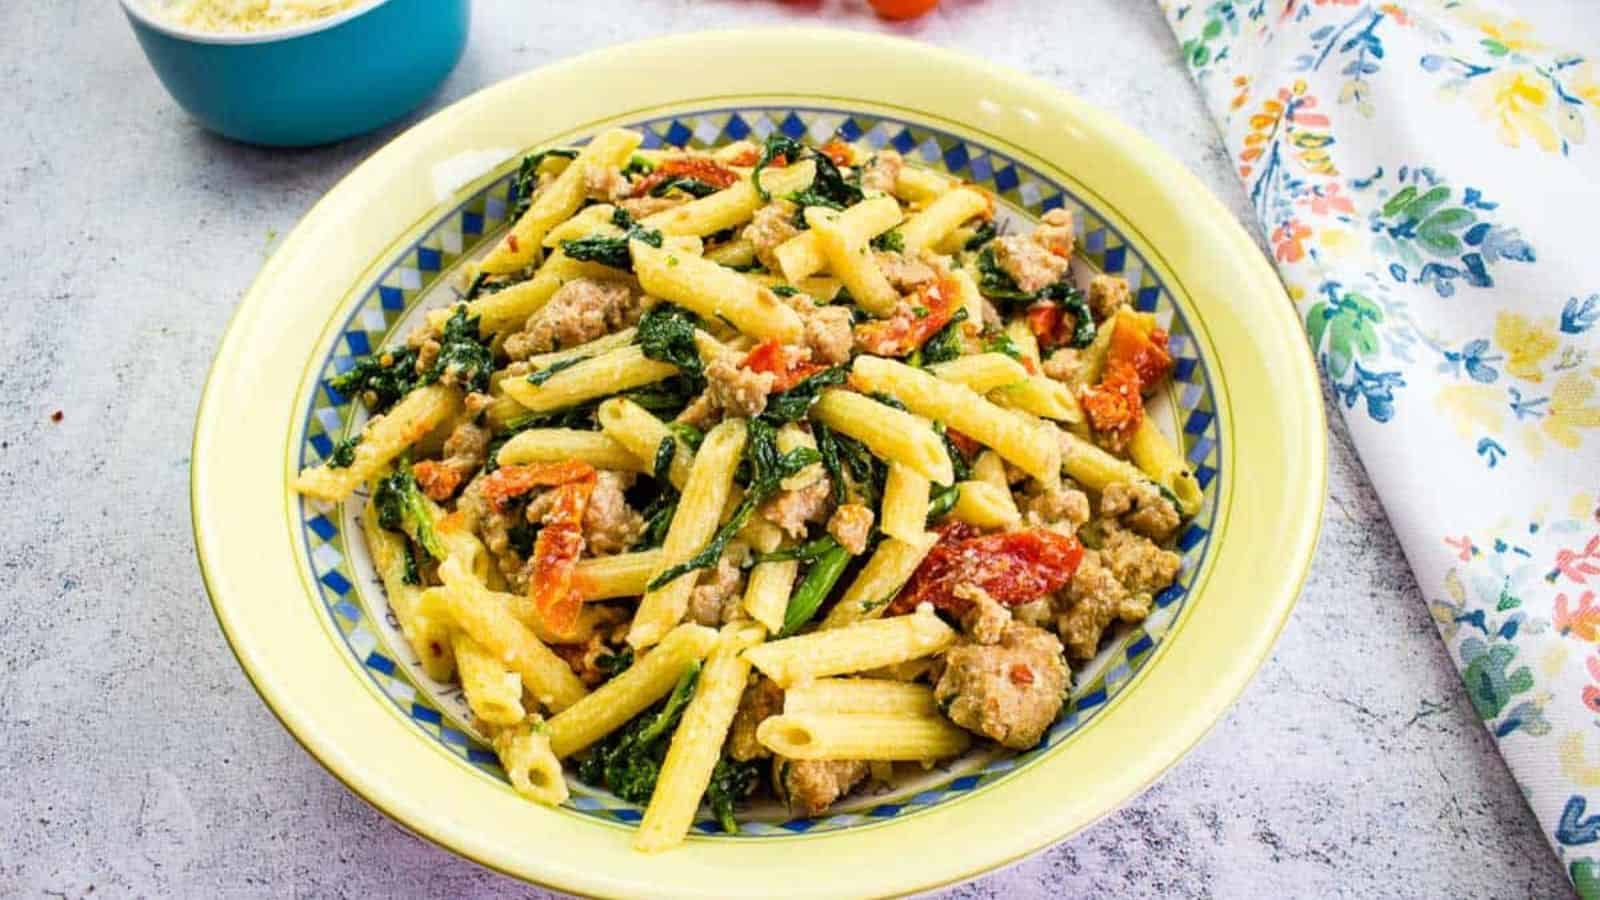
(756, 470)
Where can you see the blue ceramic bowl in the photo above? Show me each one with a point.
(312, 84)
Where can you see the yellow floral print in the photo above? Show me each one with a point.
(1571, 409)
(1526, 344)
(1516, 103)
(1471, 407)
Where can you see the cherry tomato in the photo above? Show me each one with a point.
(903, 9)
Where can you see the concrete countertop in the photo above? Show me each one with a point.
(138, 760)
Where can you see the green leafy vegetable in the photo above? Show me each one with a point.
(687, 433)
(829, 188)
(765, 468)
(528, 177)
(1003, 343)
(891, 240)
(1072, 300)
(401, 507)
(544, 374)
(411, 575)
(344, 452)
(983, 235)
(785, 290)
(520, 537)
(663, 461)
(777, 144)
(463, 357)
(379, 379)
(731, 781)
(629, 761)
(666, 334)
(814, 588)
(657, 518)
(995, 283)
(808, 552)
(638, 165)
(844, 456)
(482, 287)
(958, 460)
(694, 187)
(614, 664)
(888, 400)
(792, 405)
(944, 500)
(945, 344)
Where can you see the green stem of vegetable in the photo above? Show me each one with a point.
(818, 583)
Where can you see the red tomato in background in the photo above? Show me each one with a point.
(902, 9)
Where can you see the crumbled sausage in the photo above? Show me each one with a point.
(1009, 691)
(580, 311)
(985, 620)
(905, 273)
(1063, 365)
(464, 452)
(584, 658)
(1040, 259)
(771, 226)
(1045, 507)
(1107, 294)
(828, 333)
(738, 391)
(882, 171)
(1139, 564)
(762, 700)
(495, 527)
(610, 525)
(715, 598)
(1094, 598)
(605, 184)
(639, 207)
(1140, 506)
(793, 510)
(700, 412)
(812, 785)
(1040, 612)
(851, 525)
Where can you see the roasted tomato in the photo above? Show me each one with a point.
(968, 447)
(1115, 406)
(1146, 353)
(698, 167)
(932, 308)
(788, 365)
(902, 9)
(437, 478)
(560, 541)
(1048, 322)
(837, 151)
(1015, 567)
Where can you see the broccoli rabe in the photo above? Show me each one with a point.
(731, 782)
(379, 379)
(629, 760)
(463, 357)
(344, 452)
(402, 508)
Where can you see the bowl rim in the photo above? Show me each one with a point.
(1302, 431)
(137, 9)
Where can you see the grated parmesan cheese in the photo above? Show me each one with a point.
(247, 15)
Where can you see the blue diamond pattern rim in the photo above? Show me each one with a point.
(475, 221)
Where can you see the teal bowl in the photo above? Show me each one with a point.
(312, 84)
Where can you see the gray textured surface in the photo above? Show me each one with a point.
(138, 761)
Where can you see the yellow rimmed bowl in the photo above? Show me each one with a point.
(297, 599)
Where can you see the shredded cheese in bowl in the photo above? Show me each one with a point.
(248, 15)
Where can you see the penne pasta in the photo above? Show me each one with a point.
(989, 468)
(920, 186)
(766, 595)
(853, 648)
(697, 744)
(609, 373)
(1093, 467)
(699, 508)
(986, 506)
(537, 445)
(494, 692)
(860, 696)
(637, 429)
(557, 201)
(867, 737)
(1022, 440)
(851, 261)
(428, 635)
(713, 292)
(733, 205)
(982, 372)
(801, 256)
(618, 575)
(383, 439)
(942, 216)
(612, 704)
(1159, 458)
(905, 504)
(891, 434)
(534, 771)
(879, 580)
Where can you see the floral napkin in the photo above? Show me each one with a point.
(1428, 182)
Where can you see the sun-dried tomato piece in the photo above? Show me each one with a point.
(437, 478)
(1146, 353)
(507, 483)
(1115, 406)
(968, 447)
(912, 324)
(788, 365)
(837, 151)
(697, 167)
(1014, 567)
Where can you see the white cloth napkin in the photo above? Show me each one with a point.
(1428, 175)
